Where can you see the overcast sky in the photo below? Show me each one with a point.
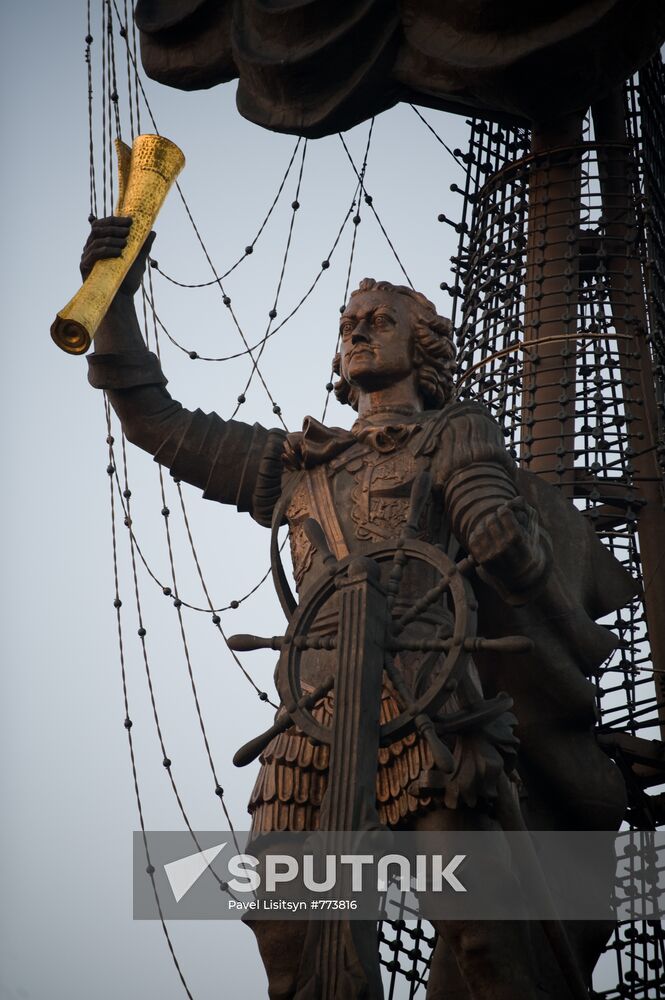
(67, 791)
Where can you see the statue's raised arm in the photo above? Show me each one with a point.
(232, 462)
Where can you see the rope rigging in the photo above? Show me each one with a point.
(369, 200)
(218, 280)
(359, 190)
(249, 249)
(142, 633)
(117, 603)
(455, 153)
(325, 265)
(272, 315)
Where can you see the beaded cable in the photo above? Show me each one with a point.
(167, 761)
(360, 192)
(171, 591)
(324, 266)
(177, 604)
(90, 94)
(272, 315)
(455, 153)
(117, 603)
(251, 246)
(226, 299)
(370, 201)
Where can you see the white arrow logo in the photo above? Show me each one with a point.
(182, 874)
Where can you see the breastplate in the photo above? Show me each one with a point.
(369, 492)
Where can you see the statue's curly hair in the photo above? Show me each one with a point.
(434, 351)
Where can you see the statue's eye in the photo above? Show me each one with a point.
(380, 320)
(346, 327)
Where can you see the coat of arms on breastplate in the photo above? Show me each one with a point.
(380, 498)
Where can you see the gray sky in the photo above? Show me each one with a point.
(67, 790)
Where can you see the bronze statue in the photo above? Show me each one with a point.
(541, 573)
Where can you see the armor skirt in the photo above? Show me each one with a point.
(293, 778)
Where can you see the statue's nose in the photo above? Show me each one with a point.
(360, 335)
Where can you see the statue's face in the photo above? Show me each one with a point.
(376, 332)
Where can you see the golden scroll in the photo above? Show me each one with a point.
(145, 174)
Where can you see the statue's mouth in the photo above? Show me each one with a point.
(360, 351)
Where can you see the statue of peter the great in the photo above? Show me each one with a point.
(541, 573)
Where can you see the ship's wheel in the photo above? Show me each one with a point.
(449, 653)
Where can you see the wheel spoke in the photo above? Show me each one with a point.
(422, 604)
(506, 644)
(424, 725)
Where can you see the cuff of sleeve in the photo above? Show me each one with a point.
(268, 486)
(124, 371)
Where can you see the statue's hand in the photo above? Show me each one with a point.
(510, 548)
(108, 238)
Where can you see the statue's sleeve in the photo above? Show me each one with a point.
(232, 462)
(472, 466)
(476, 475)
